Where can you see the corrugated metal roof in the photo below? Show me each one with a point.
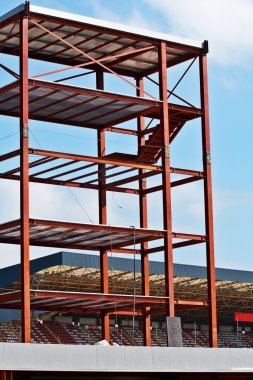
(126, 49)
(102, 23)
(61, 234)
(11, 274)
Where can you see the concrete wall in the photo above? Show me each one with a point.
(42, 357)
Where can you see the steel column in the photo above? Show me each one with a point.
(208, 202)
(143, 224)
(102, 214)
(168, 254)
(5, 375)
(24, 180)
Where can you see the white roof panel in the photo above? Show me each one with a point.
(104, 24)
(116, 26)
(13, 12)
(125, 49)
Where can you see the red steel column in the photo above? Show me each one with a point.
(168, 254)
(208, 202)
(6, 375)
(143, 224)
(24, 181)
(102, 215)
(3, 375)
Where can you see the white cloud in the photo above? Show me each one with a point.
(9, 200)
(225, 199)
(102, 12)
(228, 83)
(227, 24)
(137, 19)
(48, 202)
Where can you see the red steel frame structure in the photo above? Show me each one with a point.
(171, 117)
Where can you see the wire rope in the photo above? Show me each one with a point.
(114, 287)
(134, 284)
(69, 190)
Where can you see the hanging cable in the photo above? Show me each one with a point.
(80, 204)
(69, 190)
(114, 287)
(9, 71)
(6, 137)
(113, 194)
(115, 201)
(134, 284)
(74, 76)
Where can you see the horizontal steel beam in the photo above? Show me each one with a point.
(71, 184)
(105, 160)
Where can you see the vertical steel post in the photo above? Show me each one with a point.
(24, 180)
(3, 375)
(208, 201)
(143, 224)
(6, 375)
(167, 217)
(102, 214)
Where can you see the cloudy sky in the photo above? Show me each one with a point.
(226, 24)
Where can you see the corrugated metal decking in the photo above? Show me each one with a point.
(82, 302)
(73, 105)
(101, 39)
(77, 235)
(83, 236)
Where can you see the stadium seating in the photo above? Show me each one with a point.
(200, 338)
(119, 336)
(135, 334)
(40, 334)
(234, 340)
(9, 332)
(188, 339)
(68, 333)
(159, 337)
(49, 332)
(60, 333)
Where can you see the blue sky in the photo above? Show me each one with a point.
(227, 26)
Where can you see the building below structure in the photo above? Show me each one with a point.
(74, 278)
